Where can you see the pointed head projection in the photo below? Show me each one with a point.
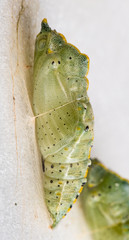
(52, 45)
(44, 26)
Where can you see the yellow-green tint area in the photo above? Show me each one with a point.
(105, 201)
(58, 170)
(58, 203)
(56, 129)
(64, 118)
(55, 61)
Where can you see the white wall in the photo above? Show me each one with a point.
(101, 30)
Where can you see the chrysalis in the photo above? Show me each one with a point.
(64, 118)
(105, 201)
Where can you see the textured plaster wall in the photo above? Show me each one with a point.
(99, 28)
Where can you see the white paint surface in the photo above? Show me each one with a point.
(101, 30)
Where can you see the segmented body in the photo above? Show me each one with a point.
(64, 119)
(105, 201)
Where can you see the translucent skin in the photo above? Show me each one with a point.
(64, 122)
(105, 201)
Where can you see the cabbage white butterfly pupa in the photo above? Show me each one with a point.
(64, 118)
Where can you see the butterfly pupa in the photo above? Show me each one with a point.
(105, 202)
(64, 118)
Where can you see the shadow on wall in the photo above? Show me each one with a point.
(29, 168)
(23, 37)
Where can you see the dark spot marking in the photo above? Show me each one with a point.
(99, 194)
(70, 206)
(70, 57)
(83, 184)
(52, 62)
(15, 204)
(60, 171)
(71, 164)
(77, 163)
(109, 186)
(58, 62)
(50, 192)
(52, 166)
(77, 196)
(58, 185)
(76, 80)
(51, 172)
(67, 182)
(53, 144)
(48, 200)
(43, 165)
(51, 133)
(51, 181)
(86, 128)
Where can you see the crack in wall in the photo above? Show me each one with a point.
(13, 74)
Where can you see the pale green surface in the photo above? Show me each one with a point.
(105, 201)
(60, 96)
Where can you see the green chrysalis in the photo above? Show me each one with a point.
(64, 118)
(105, 201)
